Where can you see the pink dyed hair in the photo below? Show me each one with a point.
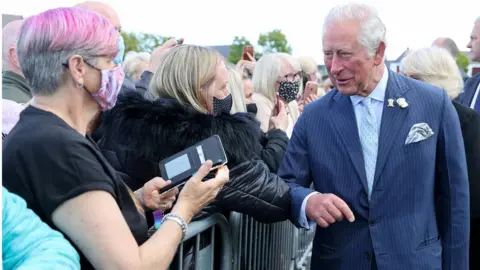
(50, 38)
(71, 29)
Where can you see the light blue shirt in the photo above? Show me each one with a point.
(378, 98)
(28, 242)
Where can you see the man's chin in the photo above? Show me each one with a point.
(347, 91)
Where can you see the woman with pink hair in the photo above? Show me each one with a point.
(67, 56)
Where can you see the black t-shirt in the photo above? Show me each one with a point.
(47, 162)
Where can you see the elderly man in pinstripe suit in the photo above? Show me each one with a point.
(386, 157)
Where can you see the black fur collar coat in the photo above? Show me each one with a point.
(138, 133)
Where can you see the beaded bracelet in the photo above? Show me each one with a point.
(159, 219)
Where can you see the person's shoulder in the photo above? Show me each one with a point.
(466, 114)
(50, 136)
(418, 90)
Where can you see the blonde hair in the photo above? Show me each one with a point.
(235, 87)
(184, 74)
(307, 64)
(436, 66)
(266, 71)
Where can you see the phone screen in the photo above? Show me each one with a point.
(177, 166)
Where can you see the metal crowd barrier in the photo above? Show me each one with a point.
(243, 244)
(205, 254)
(268, 246)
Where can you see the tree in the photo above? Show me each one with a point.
(236, 49)
(463, 61)
(131, 42)
(141, 42)
(274, 41)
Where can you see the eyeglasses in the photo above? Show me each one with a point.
(291, 77)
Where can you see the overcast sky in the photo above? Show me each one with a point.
(410, 23)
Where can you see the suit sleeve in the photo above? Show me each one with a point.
(453, 208)
(295, 170)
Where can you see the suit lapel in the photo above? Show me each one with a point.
(346, 127)
(392, 121)
(470, 89)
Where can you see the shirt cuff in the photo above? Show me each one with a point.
(304, 221)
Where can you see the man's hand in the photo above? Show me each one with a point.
(326, 209)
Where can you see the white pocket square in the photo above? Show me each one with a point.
(419, 132)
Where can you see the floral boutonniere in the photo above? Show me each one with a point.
(402, 103)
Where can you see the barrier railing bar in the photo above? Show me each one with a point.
(199, 226)
(212, 240)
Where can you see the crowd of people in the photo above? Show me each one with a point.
(385, 165)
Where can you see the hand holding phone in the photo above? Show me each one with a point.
(280, 119)
(181, 166)
(248, 53)
(311, 88)
(197, 193)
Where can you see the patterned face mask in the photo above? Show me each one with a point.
(222, 105)
(288, 91)
(111, 84)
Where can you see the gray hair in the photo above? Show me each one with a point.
(132, 62)
(372, 29)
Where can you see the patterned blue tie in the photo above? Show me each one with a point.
(368, 132)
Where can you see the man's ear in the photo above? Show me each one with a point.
(12, 56)
(380, 53)
(77, 68)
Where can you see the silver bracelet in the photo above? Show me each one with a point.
(180, 221)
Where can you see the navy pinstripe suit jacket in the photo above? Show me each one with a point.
(418, 215)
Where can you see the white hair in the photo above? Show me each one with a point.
(131, 64)
(266, 71)
(436, 66)
(307, 64)
(372, 29)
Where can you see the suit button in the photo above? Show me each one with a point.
(372, 222)
(367, 255)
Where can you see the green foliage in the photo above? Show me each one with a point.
(274, 41)
(462, 61)
(236, 49)
(141, 42)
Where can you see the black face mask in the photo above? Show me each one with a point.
(222, 105)
(252, 108)
(289, 90)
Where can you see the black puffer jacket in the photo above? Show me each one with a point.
(137, 134)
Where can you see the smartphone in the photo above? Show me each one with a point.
(310, 88)
(248, 49)
(181, 166)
